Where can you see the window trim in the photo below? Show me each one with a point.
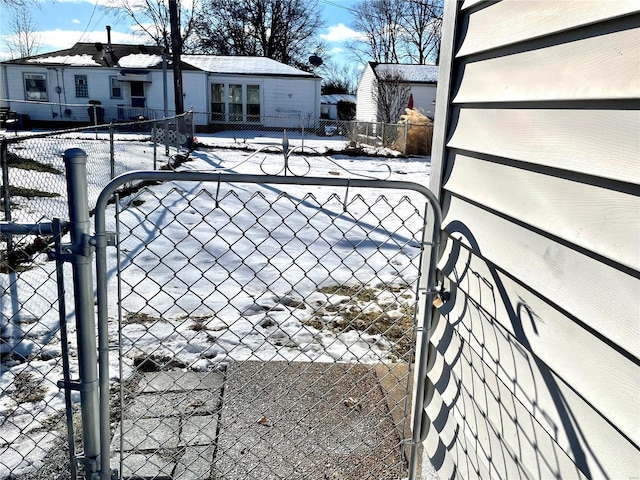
(42, 76)
(114, 79)
(243, 116)
(82, 91)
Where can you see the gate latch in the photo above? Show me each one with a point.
(442, 297)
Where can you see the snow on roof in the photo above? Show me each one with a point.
(242, 65)
(75, 60)
(333, 99)
(139, 60)
(412, 73)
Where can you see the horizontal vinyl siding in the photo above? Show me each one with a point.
(510, 22)
(424, 97)
(538, 348)
(366, 110)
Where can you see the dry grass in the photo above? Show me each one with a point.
(27, 389)
(363, 310)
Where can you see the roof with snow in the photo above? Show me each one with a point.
(100, 55)
(334, 98)
(242, 65)
(150, 56)
(411, 73)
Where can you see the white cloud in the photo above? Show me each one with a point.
(340, 33)
(60, 39)
(76, 21)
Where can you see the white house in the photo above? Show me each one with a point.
(129, 81)
(421, 81)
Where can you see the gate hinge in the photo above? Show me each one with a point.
(68, 251)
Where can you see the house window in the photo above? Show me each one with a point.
(217, 102)
(82, 89)
(116, 88)
(253, 103)
(235, 103)
(137, 94)
(35, 87)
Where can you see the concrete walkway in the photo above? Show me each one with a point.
(261, 421)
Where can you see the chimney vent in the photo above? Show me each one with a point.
(109, 48)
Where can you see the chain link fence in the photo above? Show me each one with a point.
(33, 177)
(36, 437)
(265, 332)
(34, 433)
(255, 330)
(407, 138)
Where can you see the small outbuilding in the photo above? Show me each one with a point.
(329, 105)
(386, 89)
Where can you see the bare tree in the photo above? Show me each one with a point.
(338, 77)
(391, 94)
(421, 35)
(397, 31)
(23, 41)
(379, 21)
(285, 30)
(152, 19)
(15, 3)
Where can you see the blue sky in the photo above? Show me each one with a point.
(61, 23)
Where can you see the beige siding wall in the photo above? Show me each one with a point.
(535, 371)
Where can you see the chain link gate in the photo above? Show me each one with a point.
(260, 326)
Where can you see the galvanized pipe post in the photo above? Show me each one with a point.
(422, 390)
(406, 137)
(193, 128)
(178, 121)
(79, 253)
(154, 130)
(4, 161)
(112, 153)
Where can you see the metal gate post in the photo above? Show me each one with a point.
(79, 253)
(154, 129)
(112, 152)
(4, 164)
(66, 383)
(427, 291)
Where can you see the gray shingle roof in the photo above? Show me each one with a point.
(242, 65)
(333, 99)
(412, 73)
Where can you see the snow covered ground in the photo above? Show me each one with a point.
(266, 286)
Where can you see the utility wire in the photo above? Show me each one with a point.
(95, 6)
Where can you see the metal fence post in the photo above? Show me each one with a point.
(406, 137)
(112, 153)
(6, 197)
(80, 255)
(178, 120)
(193, 129)
(154, 134)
